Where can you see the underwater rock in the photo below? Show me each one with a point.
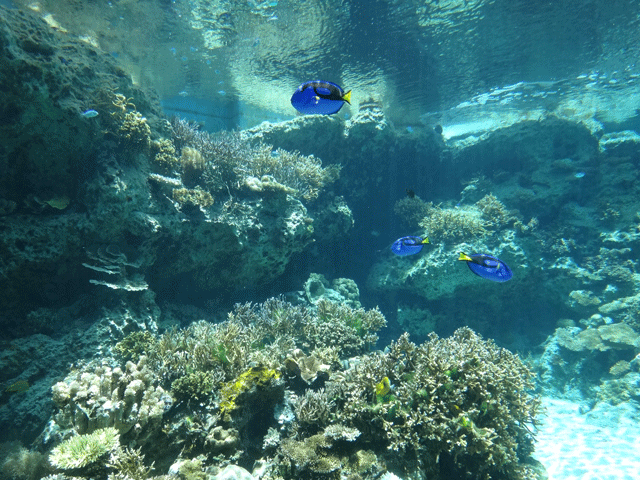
(333, 220)
(616, 336)
(49, 79)
(620, 144)
(232, 472)
(307, 134)
(339, 290)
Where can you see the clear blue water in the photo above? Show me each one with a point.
(469, 67)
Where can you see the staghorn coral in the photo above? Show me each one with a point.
(128, 464)
(462, 223)
(454, 224)
(110, 261)
(313, 408)
(303, 174)
(351, 330)
(220, 349)
(461, 398)
(494, 211)
(229, 161)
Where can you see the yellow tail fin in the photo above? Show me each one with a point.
(425, 241)
(347, 97)
(465, 257)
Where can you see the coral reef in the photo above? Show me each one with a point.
(83, 451)
(192, 196)
(99, 396)
(19, 463)
(230, 161)
(460, 224)
(255, 377)
(453, 404)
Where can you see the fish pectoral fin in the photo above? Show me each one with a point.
(347, 97)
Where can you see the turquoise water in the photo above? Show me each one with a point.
(168, 260)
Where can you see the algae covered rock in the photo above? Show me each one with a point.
(616, 336)
(340, 290)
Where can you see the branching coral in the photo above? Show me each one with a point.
(82, 451)
(313, 408)
(304, 174)
(459, 397)
(351, 330)
(443, 408)
(197, 386)
(465, 223)
(229, 161)
(128, 464)
(220, 349)
(412, 210)
(111, 261)
(494, 211)
(18, 463)
(454, 224)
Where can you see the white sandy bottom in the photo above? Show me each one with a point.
(603, 444)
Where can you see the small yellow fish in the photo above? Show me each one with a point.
(384, 387)
(18, 387)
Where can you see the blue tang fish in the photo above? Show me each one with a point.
(487, 266)
(319, 97)
(408, 245)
